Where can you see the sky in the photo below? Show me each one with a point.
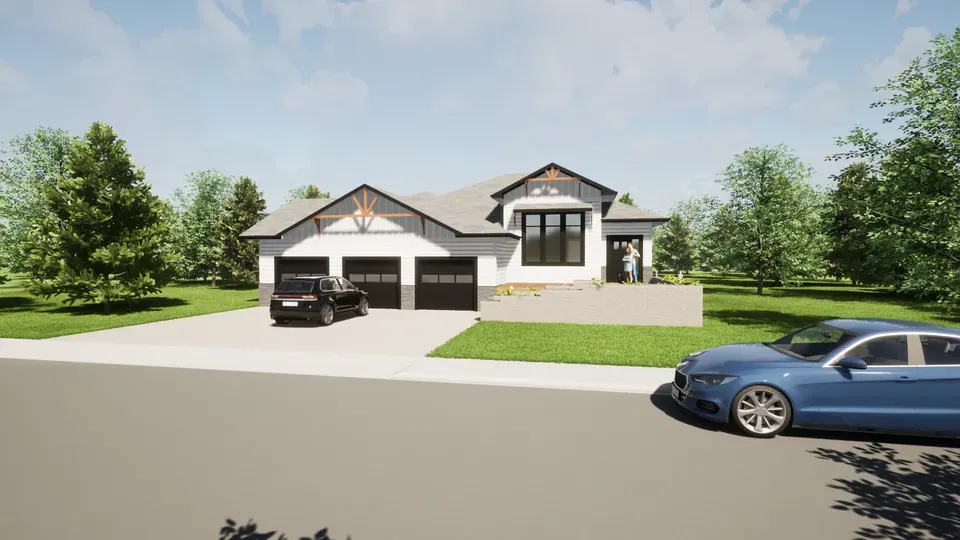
(651, 97)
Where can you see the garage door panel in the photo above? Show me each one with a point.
(379, 277)
(290, 267)
(448, 284)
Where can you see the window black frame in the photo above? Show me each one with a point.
(543, 234)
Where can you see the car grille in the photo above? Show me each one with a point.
(680, 380)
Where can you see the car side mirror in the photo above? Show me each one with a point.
(852, 362)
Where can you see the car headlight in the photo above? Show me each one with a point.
(712, 380)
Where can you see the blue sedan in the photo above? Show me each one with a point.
(843, 374)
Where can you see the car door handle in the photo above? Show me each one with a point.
(905, 379)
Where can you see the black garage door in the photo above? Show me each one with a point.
(449, 283)
(288, 267)
(379, 277)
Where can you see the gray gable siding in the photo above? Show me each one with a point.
(561, 188)
(377, 225)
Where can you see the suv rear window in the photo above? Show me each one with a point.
(296, 286)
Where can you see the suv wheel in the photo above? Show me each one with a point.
(326, 314)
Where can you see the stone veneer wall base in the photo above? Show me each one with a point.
(264, 292)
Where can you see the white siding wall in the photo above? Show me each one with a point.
(504, 250)
(621, 228)
(303, 241)
(594, 254)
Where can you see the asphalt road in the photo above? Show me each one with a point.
(135, 453)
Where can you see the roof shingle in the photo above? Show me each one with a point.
(470, 210)
(285, 218)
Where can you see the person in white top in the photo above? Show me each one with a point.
(628, 264)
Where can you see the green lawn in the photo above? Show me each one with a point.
(24, 316)
(732, 312)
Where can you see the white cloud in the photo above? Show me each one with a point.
(599, 58)
(11, 80)
(235, 7)
(326, 94)
(583, 68)
(794, 12)
(915, 41)
(297, 16)
(904, 7)
(822, 104)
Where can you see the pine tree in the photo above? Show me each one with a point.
(308, 191)
(244, 208)
(105, 239)
(676, 244)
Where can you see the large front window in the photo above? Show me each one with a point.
(553, 239)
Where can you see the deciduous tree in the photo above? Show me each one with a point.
(30, 163)
(916, 204)
(104, 239)
(200, 207)
(854, 252)
(772, 218)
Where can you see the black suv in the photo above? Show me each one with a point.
(316, 298)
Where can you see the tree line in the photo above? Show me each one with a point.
(891, 216)
(79, 219)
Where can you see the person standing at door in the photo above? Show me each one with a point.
(635, 261)
(628, 264)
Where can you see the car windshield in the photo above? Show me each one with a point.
(296, 286)
(813, 342)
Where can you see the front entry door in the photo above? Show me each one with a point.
(616, 249)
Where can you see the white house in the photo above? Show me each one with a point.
(447, 251)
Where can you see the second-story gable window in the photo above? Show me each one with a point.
(553, 239)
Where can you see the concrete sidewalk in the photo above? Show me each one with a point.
(449, 370)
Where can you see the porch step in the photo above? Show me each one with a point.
(562, 287)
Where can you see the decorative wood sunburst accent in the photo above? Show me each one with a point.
(553, 175)
(366, 211)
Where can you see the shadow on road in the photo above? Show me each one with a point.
(296, 323)
(909, 499)
(233, 531)
(661, 400)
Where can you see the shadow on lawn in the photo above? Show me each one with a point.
(764, 318)
(908, 499)
(13, 304)
(238, 286)
(153, 303)
(225, 285)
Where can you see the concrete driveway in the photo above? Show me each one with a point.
(382, 332)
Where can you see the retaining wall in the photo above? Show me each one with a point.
(611, 303)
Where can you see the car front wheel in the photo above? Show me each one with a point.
(761, 411)
(364, 306)
(326, 315)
